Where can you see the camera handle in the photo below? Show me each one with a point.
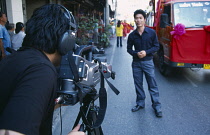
(114, 89)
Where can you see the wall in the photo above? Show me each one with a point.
(33, 4)
(14, 11)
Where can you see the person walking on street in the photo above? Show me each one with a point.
(145, 43)
(17, 39)
(119, 33)
(125, 29)
(5, 40)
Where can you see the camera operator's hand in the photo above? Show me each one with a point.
(76, 131)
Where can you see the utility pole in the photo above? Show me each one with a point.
(115, 16)
(107, 13)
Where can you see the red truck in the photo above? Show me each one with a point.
(183, 29)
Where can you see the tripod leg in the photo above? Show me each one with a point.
(92, 116)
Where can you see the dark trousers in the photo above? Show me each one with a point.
(119, 39)
(147, 68)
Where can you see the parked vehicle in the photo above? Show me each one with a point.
(183, 29)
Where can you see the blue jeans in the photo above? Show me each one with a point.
(146, 68)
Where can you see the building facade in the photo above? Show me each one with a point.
(21, 10)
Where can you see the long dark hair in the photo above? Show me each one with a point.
(118, 23)
(19, 27)
(45, 28)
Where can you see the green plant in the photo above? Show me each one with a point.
(85, 30)
(104, 36)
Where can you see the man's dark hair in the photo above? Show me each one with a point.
(46, 27)
(140, 11)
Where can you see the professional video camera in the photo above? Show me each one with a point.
(79, 73)
(88, 72)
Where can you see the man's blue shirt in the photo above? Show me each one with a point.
(148, 42)
(4, 35)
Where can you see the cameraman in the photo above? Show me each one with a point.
(28, 77)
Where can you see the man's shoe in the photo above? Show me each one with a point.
(136, 108)
(158, 113)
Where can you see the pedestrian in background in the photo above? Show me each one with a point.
(119, 33)
(95, 31)
(129, 28)
(5, 40)
(17, 39)
(11, 29)
(113, 29)
(101, 25)
(125, 29)
(145, 43)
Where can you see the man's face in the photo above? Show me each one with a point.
(139, 20)
(3, 19)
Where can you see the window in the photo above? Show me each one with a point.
(192, 14)
(167, 10)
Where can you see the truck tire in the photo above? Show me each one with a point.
(163, 68)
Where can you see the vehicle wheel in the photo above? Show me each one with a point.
(163, 68)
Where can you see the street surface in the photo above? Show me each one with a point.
(185, 98)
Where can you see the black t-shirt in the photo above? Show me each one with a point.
(28, 88)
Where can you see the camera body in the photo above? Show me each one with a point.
(89, 76)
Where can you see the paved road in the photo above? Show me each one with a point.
(185, 97)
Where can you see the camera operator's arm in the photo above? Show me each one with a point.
(31, 101)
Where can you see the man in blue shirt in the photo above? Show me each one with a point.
(145, 44)
(4, 36)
